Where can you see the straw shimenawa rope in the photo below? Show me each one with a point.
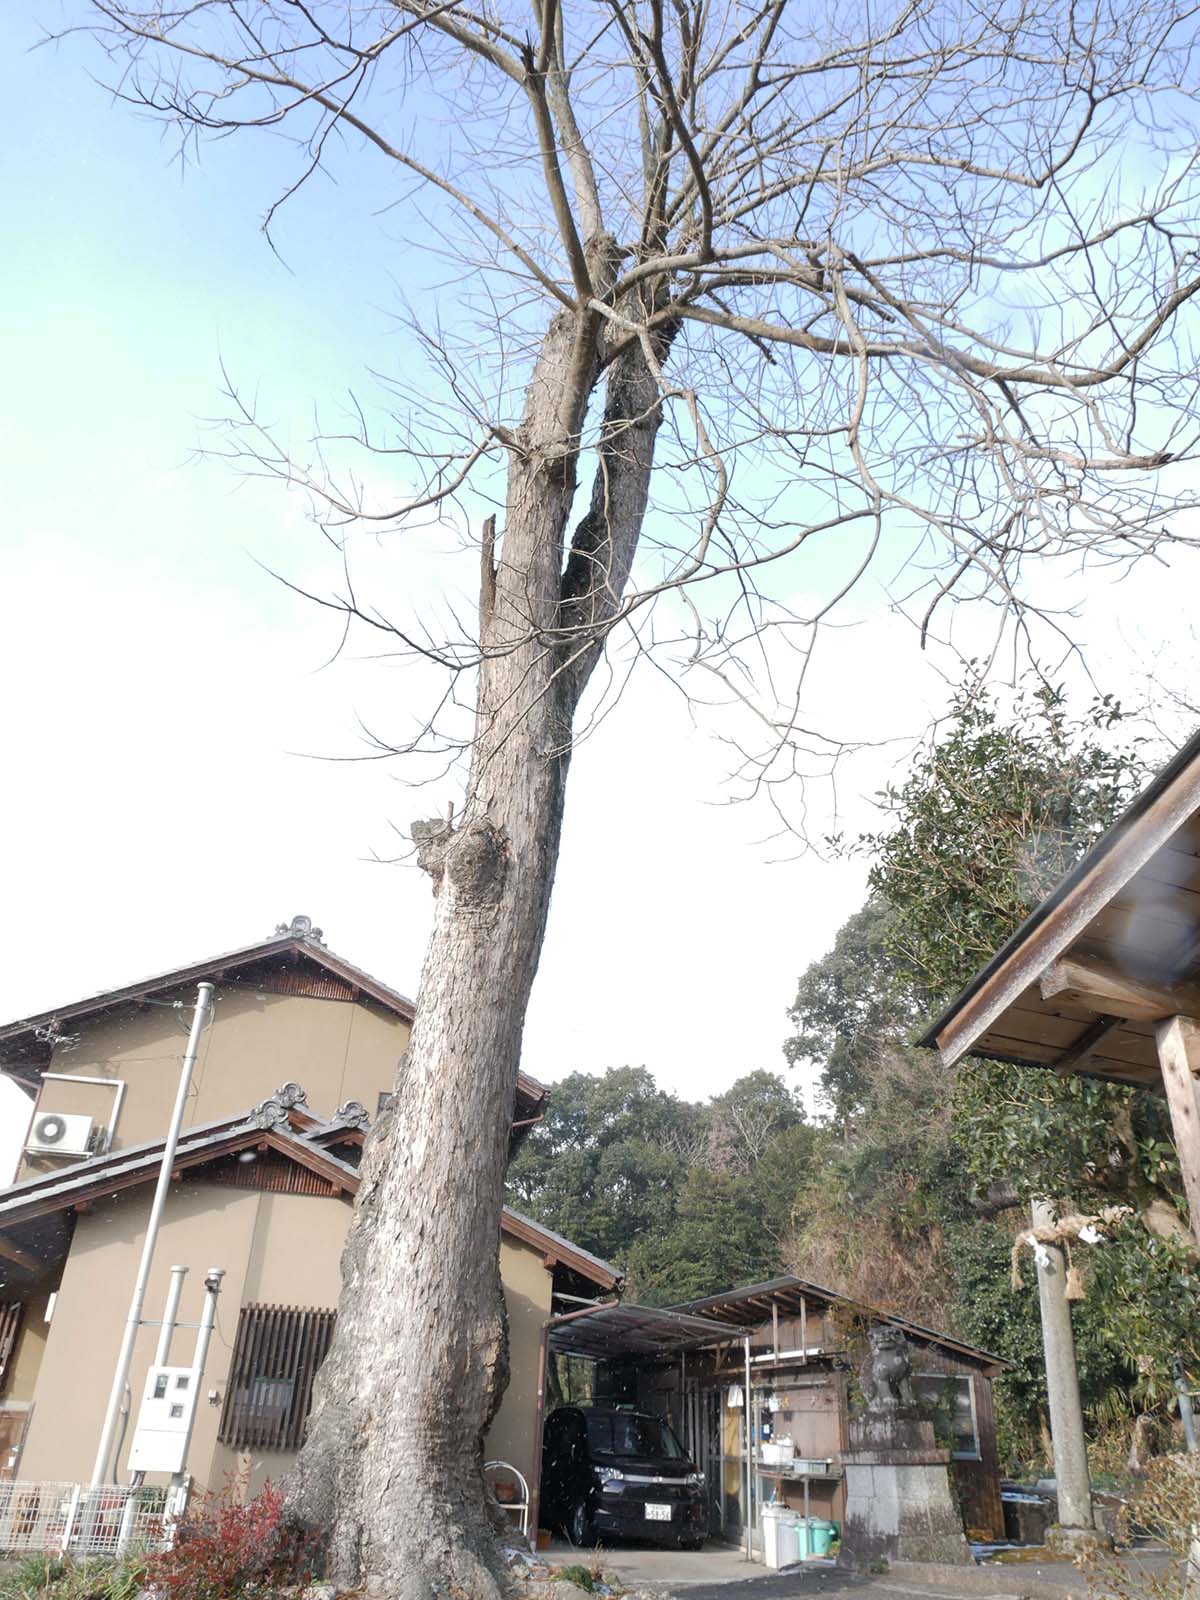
(1158, 1218)
(1062, 1232)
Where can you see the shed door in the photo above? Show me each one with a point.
(14, 1423)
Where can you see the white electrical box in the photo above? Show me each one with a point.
(164, 1423)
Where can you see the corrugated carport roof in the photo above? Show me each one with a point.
(628, 1330)
(607, 1332)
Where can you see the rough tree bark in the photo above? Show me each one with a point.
(392, 1470)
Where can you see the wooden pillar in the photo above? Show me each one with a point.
(1179, 1059)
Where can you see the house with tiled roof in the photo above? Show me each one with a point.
(298, 1058)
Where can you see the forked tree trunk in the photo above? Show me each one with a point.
(391, 1471)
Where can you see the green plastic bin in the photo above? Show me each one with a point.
(820, 1535)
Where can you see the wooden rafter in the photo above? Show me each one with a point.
(1090, 1039)
(1108, 990)
(18, 1257)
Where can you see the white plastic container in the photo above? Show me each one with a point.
(780, 1540)
(778, 1454)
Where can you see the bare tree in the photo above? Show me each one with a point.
(748, 300)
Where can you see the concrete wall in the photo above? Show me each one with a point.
(337, 1050)
(276, 1249)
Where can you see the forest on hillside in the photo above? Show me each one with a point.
(909, 1185)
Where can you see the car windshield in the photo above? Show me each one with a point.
(632, 1436)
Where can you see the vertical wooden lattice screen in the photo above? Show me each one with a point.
(10, 1324)
(275, 1359)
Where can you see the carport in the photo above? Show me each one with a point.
(648, 1338)
(739, 1373)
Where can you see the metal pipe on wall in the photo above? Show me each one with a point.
(170, 1316)
(212, 1288)
(133, 1319)
(749, 1510)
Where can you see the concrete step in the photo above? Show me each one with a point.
(999, 1581)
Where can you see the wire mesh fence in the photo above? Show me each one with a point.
(68, 1517)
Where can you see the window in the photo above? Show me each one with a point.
(632, 1435)
(10, 1326)
(277, 1354)
(949, 1402)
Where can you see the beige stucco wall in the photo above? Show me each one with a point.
(276, 1249)
(202, 1227)
(294, 1260)
(527, 1289)
(272, 1279)
(337, 1050)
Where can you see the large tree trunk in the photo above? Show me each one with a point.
(391, 1472)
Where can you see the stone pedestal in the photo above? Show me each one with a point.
(898, 1501)
(1065, 1543)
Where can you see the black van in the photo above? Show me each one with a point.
(619, 1475)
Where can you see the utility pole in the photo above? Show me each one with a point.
(1076, 1527)
(133, 1320)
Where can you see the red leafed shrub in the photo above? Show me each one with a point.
(227, 1548)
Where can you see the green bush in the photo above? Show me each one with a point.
(56, 1577)
(581, 1576)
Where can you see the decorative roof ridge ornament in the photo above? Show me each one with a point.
(300, 927)
(49, 1034)
(352, 1114)
(273, 1111)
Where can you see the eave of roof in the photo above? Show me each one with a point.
(552, 1244)
(123, 1169)
(1069, 914)
(531, 1093)
(230, 962)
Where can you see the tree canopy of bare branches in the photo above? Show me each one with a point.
(751, 307)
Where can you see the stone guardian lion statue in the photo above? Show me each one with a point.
(886, 1373)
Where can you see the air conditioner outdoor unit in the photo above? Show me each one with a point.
(56, 1134)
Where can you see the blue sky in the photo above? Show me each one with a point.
(158, 683)
(158, 680)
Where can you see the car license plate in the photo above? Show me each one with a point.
(657, 1513)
